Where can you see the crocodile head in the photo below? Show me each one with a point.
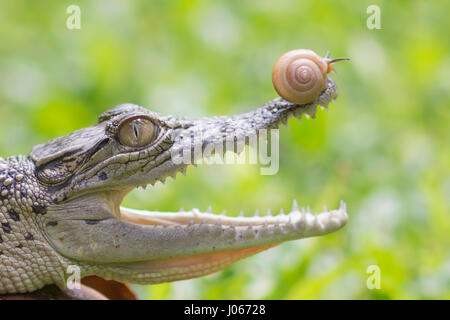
(87, 174)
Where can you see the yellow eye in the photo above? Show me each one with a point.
(137, 132)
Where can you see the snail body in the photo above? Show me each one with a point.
(299, 76)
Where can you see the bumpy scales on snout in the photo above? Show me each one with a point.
(60, 206)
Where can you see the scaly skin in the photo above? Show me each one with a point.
(60, 206)
(27, 260)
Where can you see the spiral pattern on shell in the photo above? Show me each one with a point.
(300, 76)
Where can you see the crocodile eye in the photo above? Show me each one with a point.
(137, 132)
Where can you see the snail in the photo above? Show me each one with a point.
(299, 76)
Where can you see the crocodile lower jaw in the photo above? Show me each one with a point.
(257, 234)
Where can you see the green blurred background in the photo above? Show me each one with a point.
(384, 147)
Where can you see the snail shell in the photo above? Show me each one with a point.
(299, 76)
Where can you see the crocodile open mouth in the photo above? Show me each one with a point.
(195, 243)
(151, 246)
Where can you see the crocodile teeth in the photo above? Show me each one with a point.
(343, 206)
(294, 205)
(298, 113)
(295, 224)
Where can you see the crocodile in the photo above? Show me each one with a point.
(60, 206)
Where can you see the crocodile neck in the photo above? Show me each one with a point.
(27, 261)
